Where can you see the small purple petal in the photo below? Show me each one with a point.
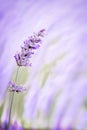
(41, 33)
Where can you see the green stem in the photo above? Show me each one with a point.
(12, 100)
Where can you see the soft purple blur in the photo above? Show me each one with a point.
(58, 78)
(14, 126)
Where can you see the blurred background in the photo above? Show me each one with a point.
(56, 96)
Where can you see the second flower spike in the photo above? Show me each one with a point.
(15, 88)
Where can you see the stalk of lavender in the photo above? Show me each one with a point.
(12, 99)
(23, 59)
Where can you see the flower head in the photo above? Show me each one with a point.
(27, 50)
(15, 88)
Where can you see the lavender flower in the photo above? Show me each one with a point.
(23, 58)
(15, 88)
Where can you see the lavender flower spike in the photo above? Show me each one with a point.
(23, 58)
(14, 88)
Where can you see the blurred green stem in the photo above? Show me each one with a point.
(12, 100)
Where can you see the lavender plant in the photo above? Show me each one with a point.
(23, 59)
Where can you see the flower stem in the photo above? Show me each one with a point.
(12, 100)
